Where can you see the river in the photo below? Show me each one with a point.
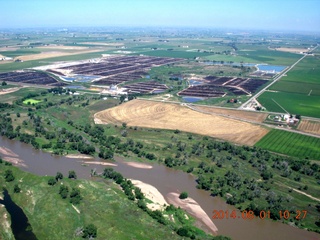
(166, 180)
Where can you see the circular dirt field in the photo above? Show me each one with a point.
(143, 113)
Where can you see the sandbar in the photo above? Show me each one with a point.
(193, 208)
(8, 152)
(150, 192)
(101, 163)
(139, 165)
(78, 156)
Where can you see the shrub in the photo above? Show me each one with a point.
(183, 195)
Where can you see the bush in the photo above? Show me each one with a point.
(183, 195)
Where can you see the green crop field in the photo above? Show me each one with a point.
(311, 89)
(307, 71)
(298, 92)
(271, 57)
(292, 144)
(31, 101)
(294, 103)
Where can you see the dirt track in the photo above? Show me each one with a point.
(149, 114)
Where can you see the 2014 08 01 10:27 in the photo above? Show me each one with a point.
(249, 214)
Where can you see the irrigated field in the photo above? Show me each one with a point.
(298, 92)
(292, 144)
(310, 126)
(294, 103)
(159, 115)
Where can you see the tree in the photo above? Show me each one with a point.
(16, 188)
(72, 174)
(90, 231)
(63, 191)
(52, 181)
(8, 175)
(4, 83)
(183, 195)
(75, 196)
(59, 176)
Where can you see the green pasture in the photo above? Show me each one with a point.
(306, 71)
(294, 103)
(175, 54)
(297, 87)
(271, 57)
(19, 52)
(292, 144)
(31, 101)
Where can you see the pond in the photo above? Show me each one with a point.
(20, 226)
(192, 99)
(80, 78)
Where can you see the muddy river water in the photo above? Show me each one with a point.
(165, 180)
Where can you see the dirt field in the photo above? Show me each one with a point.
(291, 50)
(309, 126)
(245, 115)
(142, 113)
(44, 55)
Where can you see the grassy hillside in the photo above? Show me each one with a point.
(103, 205)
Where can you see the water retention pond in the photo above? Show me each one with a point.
(166, 180)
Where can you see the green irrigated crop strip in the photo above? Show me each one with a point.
(292, 144)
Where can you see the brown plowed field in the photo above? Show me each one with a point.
(309, 126)
(245, 115)
(142, 113)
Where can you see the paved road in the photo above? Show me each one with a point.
(277, 78)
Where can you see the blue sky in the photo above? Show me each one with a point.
(302, 15)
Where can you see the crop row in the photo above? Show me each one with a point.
(292, 144)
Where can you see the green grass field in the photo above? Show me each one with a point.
(31, 101)
(294, 103)
(292, 144)
(307, 71)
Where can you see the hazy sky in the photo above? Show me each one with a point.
(299, 15)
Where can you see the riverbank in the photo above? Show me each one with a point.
(83, 156)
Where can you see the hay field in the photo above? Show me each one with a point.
(291, 50)
(142, 113)
(310, 126)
